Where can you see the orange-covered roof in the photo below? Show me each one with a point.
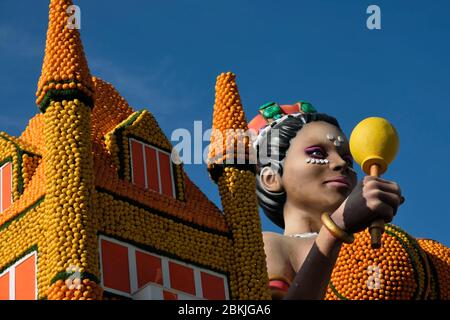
(110, 109)
(66, 75)
(34, 133)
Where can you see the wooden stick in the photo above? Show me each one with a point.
(376, 229)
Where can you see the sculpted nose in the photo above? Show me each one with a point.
(338, 164)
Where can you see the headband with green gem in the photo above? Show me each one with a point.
(272, 113)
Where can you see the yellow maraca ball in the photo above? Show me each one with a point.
(374, 141)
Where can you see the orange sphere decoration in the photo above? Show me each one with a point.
(439, 260)
(397, 271)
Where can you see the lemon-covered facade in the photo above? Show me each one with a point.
(92, 206)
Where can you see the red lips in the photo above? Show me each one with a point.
(340, 179)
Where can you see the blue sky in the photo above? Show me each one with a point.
(164, 56)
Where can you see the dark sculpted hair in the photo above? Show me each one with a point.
(277, 141)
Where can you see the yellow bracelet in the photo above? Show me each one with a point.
(335, 230)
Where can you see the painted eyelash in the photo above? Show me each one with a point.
(311, 150)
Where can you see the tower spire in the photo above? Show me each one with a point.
(65, 72)
(230, 143)
(230, 166)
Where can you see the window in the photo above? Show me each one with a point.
(18, 282)
(131, 272)
(151, 168)
(5, 186)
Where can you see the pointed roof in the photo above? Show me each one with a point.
(109, 111)
(229, 125)
(65, 65)
(65, 72)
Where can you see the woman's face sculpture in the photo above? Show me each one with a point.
(317, 172)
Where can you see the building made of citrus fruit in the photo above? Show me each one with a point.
(92, 207)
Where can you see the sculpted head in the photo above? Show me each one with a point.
(303, 161)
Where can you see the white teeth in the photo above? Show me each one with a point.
(340, 139)
(337, 143)
(308, 160)
(330, 137)
(322, 161)
(326, 161)
(313, 160)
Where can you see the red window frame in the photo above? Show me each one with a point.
(6, 171)
(115, 266)
(19, 281)
(148, 163)
(140, 269)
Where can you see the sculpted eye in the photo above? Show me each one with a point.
(316, 152)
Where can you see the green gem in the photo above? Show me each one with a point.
(277, 116)
(272, 111)
(268, 104)
(308, 107)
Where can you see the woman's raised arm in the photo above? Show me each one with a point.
(373, 198)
